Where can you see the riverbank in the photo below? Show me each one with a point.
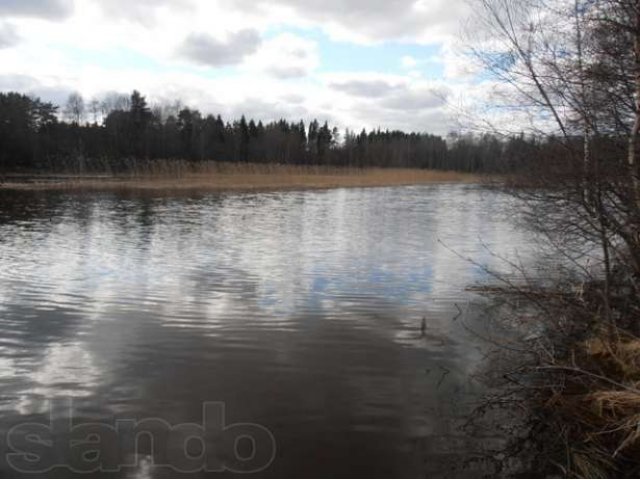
(572, 381)
(248, 177)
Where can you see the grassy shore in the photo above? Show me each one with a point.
(248, 177)
(572, 382)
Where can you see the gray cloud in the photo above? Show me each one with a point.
(293, 99)
(266, 111)
(292, 107)
(379, 103)
(364, 88)
(376, 19)
(18, 83)
(206, 50)
(32, 86)
(374, 115)
(286, 71)
(393, 97)
(141, 11)
(8, 35)
(48, 9)
(412, 100)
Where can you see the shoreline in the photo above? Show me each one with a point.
(242, 178)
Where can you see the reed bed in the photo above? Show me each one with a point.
(182, 175)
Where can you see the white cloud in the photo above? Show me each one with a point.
(8, 35)
(286, 56)
(173, 49)
(457, 62)
(408, 61)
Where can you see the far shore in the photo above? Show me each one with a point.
(241, 177)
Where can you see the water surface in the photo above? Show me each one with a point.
(301, 311)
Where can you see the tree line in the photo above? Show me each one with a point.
(38, 135)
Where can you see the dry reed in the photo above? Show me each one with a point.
(179, 175)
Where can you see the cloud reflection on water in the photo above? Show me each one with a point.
(299, 309)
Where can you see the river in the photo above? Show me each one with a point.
(300, 313)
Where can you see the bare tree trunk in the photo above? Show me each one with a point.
(635, 129)
(587, 186)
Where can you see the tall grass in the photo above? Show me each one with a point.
(179, 174)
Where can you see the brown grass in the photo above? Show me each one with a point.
(596, 405)
(225, 176)
(578, 380)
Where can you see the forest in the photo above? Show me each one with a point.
(39, 136)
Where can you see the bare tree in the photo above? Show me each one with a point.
(574, 68)
(75, 109)
(94, 108)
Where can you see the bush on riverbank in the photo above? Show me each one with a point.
(589, 393)
(569, 73)
(578, 380)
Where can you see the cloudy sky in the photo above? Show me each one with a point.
(356, 63)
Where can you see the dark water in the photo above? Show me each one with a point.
(301, 311)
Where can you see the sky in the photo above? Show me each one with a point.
(396, 64)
